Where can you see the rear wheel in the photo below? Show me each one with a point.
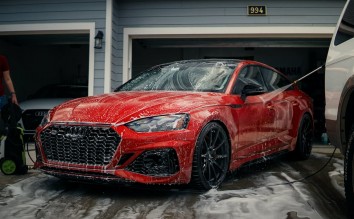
(304, 139)
(211, 157)
(8, 166)
(349, 175)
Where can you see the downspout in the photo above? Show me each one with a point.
(108, 48)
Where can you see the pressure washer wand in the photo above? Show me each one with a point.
(305, 76)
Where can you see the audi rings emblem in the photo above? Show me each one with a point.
(40, 113)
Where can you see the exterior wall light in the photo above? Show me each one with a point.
(98, 40)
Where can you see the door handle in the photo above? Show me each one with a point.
(270, 106)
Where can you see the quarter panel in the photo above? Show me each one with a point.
(338, 80)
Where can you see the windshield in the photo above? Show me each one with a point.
(208, 75)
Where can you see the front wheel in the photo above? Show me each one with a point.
(349, 175)
(211, 157)
(304, 139)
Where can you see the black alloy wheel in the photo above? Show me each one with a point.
(211, 157)
(349, 175)
(304, 139)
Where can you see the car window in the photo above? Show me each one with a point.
(346, 27)
(274, 80)
(249, 75)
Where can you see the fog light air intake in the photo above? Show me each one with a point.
(159, 162)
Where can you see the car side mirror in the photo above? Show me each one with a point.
(250, 90)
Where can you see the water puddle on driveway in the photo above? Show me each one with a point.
(45, 197)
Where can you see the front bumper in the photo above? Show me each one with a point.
(151, 158)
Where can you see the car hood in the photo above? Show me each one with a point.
(122, 107)
(43, 104)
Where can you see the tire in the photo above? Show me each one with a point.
(211, 157)
(8, 166)
(349, 175)
(304, 139)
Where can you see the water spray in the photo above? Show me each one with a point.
(324, 65)
(268, 96)
(330, 158)
(308, 74)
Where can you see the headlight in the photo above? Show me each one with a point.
(160, 123)
(45, 119)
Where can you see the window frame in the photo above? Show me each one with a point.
(270, 89)
(264, 85)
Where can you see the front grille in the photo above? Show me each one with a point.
(32, 118)
(90, 145)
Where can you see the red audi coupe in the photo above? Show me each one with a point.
(186, 122)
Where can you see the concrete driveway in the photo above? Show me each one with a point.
(261, 190)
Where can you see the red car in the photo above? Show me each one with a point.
(178, 123)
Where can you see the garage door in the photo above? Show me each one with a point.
(43, 59)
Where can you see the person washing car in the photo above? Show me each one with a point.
(5, 76)
(12, 158)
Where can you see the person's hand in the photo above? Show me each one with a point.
(14, 98)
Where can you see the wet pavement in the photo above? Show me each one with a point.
(265, 190)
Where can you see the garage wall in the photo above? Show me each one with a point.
(59, 11)
(221, 13)
(227, 12)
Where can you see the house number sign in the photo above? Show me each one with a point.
(256, 10)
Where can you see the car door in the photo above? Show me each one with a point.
(282, 103)
(255, 117)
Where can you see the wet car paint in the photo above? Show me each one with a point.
(257, 126)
